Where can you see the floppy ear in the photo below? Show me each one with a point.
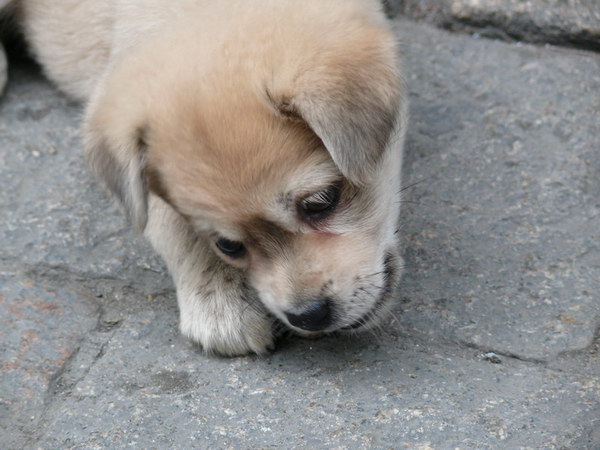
(351, 101)
(120, 161)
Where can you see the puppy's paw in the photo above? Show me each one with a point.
(226, 323)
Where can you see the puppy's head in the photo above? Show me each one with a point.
(276, 151)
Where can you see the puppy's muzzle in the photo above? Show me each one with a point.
(315, 317)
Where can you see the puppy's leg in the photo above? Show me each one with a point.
(216, 309)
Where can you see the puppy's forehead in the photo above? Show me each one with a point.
(234, 159)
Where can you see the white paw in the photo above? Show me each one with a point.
(225, 323)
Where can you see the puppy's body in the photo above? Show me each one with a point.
(250, 140)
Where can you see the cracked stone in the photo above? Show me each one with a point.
(41, 329)
(511, 249)
(572, 23)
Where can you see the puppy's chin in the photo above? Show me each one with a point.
(382, 307)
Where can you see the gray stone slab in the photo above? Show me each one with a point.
(502, 256)
(52, 212)
(504, 248)
(151, 390)
(41, 327)
(574, 23)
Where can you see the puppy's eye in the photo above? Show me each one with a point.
(322, 203)
(233, 249)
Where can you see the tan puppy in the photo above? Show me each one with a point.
(256, 142)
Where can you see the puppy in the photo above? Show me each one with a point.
(257, 144)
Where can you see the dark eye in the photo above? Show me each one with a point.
(233, 249)
(322, 203)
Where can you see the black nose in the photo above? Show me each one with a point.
(315, 317)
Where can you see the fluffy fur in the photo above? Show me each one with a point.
(211, 120)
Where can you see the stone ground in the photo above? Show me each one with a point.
(571, 23)
(495, 339)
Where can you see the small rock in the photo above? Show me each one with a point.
(491, 357)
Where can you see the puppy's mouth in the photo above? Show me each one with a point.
(389, 272)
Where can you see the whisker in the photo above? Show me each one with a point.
(251, 303)
(404, 188)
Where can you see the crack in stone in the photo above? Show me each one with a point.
(62, 274)
(506, 354)
(497, 24)
(518, 33)
(55, 388)
(594, 345)
(60, 388)
(52, 391)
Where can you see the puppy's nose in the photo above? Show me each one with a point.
(315, 317)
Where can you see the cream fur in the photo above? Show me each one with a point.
(211, 119)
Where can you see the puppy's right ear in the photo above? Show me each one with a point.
(118, 156)
(350, 94)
